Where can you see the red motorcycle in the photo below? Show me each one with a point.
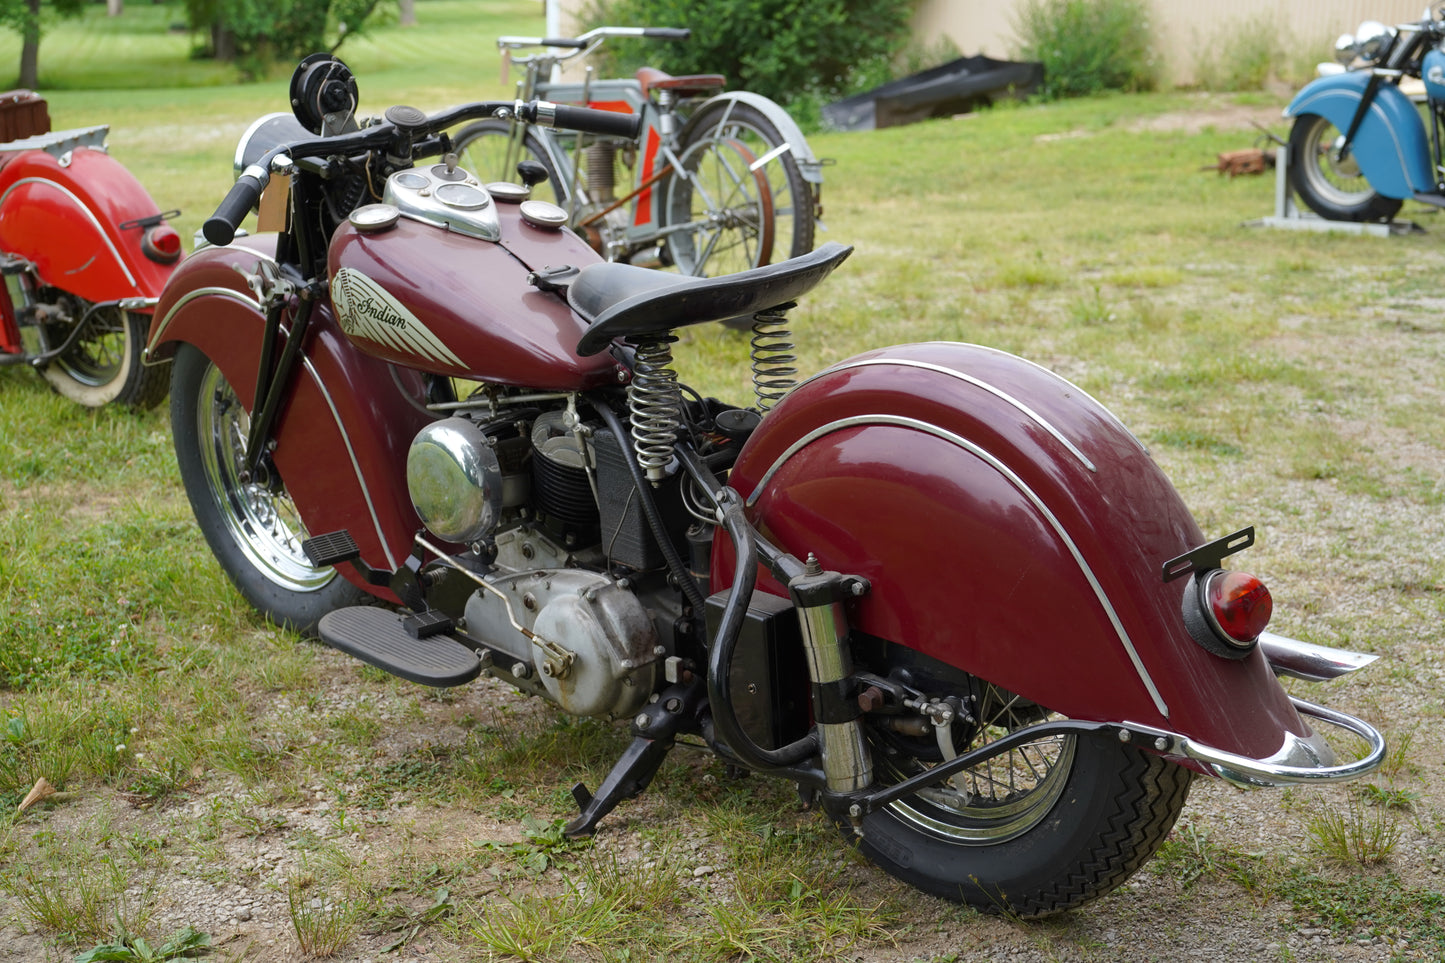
(937, 586)
(84, 252)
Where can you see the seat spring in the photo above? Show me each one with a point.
(654, 404)
(774, 363)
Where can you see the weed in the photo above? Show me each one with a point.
(323, 924)
(190, 943)
(1365, 835)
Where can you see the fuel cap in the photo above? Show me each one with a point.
(373, 217)
(543, 214)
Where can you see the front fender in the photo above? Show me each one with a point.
(1010, 526)
(1391, 146)
(343, 432)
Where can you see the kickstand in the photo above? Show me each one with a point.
(653, 730)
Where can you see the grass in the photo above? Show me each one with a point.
(1291, 381)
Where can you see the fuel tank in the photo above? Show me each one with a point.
(420, 295)
(1009, 525)
(68, 217)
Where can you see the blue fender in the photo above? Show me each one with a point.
(1391, 146)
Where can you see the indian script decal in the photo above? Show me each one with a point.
(367, 311)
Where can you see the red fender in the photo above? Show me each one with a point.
(65, 219)
(1009, 526)
(342, 434)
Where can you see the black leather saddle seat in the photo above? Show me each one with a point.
(622, 300)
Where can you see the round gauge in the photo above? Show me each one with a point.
(411, 180)
(463, 196)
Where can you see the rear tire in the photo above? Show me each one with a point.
(1333, 188)
(106, 365)
(1042, 829)
(253, 528)
(741, 218)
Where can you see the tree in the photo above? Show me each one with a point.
(23, 16)
(253, 32)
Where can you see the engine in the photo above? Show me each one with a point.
(562, 608)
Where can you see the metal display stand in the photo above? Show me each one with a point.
(1290, 216)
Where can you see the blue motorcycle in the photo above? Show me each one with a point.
(1359, 147)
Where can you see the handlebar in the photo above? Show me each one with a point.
(410, 141)
(593, 38)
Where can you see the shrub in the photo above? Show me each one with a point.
(1240, 56)
(783, 49)
(1088, 46)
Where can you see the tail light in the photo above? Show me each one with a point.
(161, 244)
(1226, 611)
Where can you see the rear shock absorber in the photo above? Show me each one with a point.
(655, 405)
(774, 362)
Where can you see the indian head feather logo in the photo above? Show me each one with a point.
(367, 311)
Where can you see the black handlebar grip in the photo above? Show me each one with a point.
(667, 33)
(609, 123)
(568, 42)
(220, 228)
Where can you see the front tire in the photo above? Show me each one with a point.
(253, 528)
(484, 148)
(106, 365)
(1036, 831)
(1332, 187)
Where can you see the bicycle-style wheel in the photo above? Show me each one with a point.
(482, 148)
(738, 202)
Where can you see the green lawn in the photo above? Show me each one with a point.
(1286, 380)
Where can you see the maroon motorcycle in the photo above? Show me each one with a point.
(935, 585)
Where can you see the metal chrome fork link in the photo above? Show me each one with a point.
(772, 355)
(654, 405)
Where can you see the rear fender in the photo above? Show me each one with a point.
(1010, 526)
(1391, 146)
(65, 219)
(343, 433)
(808, 165)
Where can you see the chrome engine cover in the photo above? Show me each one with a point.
(595, 648)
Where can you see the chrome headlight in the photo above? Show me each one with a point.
(1346, 49)
(1373, 40)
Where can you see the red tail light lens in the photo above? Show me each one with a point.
(1239, 604)
(161, 244)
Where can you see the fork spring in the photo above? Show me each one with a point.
(655, 405)
(774, 363)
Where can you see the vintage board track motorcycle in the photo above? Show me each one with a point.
(937, 586)
(84, 252)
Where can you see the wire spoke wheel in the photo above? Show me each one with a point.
(999, 798)
(1037, 829)
(251, 523)
(104, 364)
(740, 200)
(1328, 179)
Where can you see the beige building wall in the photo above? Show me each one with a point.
(1307, 27)
(1182, 26)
